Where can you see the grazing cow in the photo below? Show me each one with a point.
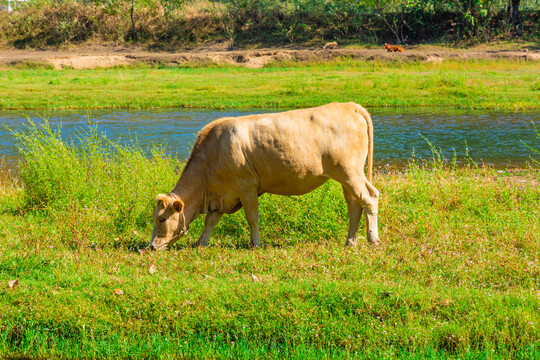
(235, 160)
(393, 48)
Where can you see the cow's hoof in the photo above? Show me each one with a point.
(255, 244)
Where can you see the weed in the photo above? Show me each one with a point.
(535, 151)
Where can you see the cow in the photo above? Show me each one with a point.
(331, 45)
(236, 159)
(393, 48)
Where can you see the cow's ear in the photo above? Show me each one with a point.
(162, 200)
(178, 205)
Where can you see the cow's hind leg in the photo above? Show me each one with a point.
(355, 213)
(210, 222)
(368, 196)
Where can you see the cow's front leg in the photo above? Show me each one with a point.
(210, 222)
(355, 213)
(250, 202)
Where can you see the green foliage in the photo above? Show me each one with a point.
(52, 23)
(90, 176)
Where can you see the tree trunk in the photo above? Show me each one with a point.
(134, 34)
(513, 11)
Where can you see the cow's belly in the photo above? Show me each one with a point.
(291, 185)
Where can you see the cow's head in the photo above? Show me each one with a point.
(169, 221)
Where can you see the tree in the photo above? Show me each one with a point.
(513, 12)
(392, 12)
(134, 34)
(168, 5)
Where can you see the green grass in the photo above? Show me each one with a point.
(457, 274)
(501, 84)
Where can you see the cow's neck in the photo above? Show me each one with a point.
(190, 189)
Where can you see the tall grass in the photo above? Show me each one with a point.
(535, 151)
(90, 177)
(457, 274)
(8, 183)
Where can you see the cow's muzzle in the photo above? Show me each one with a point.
(184, 230)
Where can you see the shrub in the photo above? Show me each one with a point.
(114, 183)
(46, 23)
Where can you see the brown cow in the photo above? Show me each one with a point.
(235, 160)
(393, 48)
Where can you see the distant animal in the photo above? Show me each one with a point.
(236, 159)
(331, 45)
(393, 48)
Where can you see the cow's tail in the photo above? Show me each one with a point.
(369, 123)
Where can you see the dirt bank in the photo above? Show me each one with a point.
(107, 56)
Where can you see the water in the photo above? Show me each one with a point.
(491, 137)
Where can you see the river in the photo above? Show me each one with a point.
(491, 137)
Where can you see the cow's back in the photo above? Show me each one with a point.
(288, 153)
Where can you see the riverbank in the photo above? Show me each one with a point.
(503, 84)
(220, 53)
(457, 273)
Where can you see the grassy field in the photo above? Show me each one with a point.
(504, 84)
(457, 274)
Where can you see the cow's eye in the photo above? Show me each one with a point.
(162, 220)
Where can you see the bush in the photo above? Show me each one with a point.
(46, 23)
(91, 176)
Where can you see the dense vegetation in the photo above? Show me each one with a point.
(502, 84)
(41, 23)
(457, 275)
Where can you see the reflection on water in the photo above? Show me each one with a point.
(492, 137)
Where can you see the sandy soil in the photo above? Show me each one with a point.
(107, 56)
